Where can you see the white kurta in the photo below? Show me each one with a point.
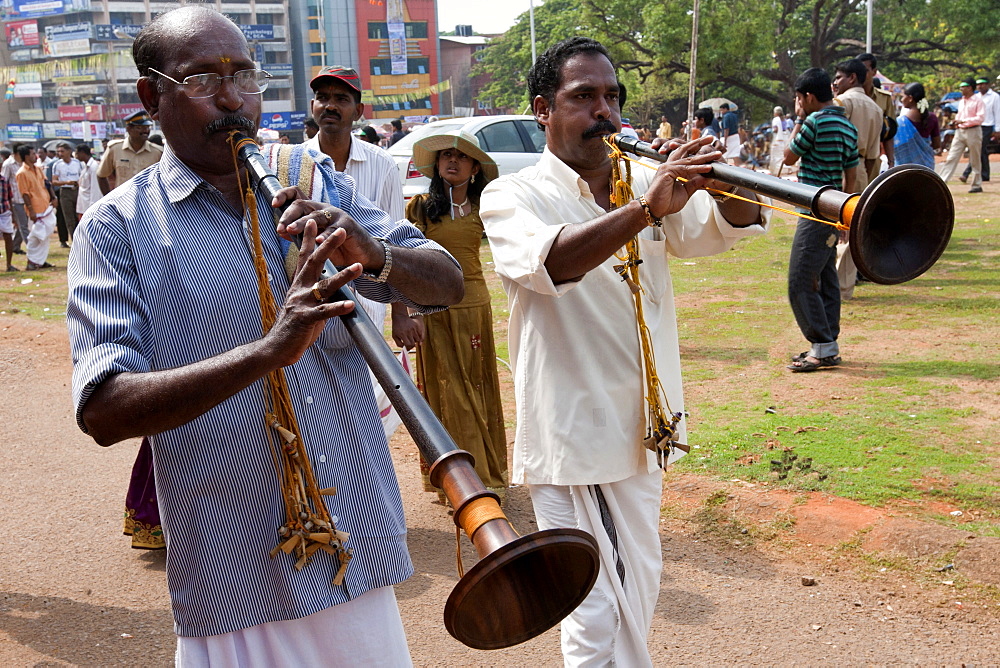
(581, 414)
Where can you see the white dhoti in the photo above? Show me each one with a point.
(777, 157)
(733, 144)
(364, 632)
(612, 624)
(38, 238)
(847, 271)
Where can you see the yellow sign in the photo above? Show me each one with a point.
(374, 97)
(398, 84)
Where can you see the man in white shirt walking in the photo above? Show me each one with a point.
(336, 106)
(65, 180)
(779, 140)
(90, 187)
(581, 444)
(9, 172)
(991, 116)
(971, 111)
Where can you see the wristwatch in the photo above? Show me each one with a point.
(383, 275)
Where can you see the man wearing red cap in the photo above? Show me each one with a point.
(336, 106)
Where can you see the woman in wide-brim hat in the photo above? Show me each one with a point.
(456, 357)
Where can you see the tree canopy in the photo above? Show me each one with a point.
(751, 51)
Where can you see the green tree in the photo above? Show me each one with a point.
(508, 58)
(752, 51)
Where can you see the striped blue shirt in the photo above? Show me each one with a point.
(828, 144)
(161, 276)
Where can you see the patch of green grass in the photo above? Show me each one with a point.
(43, 298)
(872, 456)
(917, 409)
(498, 302)
(39, 294)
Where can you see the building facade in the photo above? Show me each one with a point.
(70, 75)
(391, 43)
(459, 54)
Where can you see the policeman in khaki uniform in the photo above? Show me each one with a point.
(883, 99)
(127, 157)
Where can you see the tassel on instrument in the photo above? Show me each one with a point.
(305, 509)
(661, 422)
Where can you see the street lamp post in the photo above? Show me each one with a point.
(531, 20)
(693, 68)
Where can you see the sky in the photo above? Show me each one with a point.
(484, 16)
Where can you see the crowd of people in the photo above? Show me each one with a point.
(195, 328)
(846, 131)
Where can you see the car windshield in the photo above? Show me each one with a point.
(405, 145)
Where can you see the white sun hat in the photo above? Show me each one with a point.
(425, 152)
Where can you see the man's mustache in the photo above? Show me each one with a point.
(229, 122)
(600, 128)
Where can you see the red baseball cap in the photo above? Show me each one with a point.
(346, 75)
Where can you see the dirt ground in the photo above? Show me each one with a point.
(73, 593)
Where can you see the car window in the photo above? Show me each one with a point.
(535, 134)
(500, 137)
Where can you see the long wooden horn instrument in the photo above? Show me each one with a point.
(522, 585)
(898, 226)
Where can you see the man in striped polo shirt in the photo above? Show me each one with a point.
(827, 143)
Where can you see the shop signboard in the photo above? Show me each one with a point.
(22, 33)
(262, 31)
(80, 112)
(107, 32)
(68, 47)
(29, 9)
(279, 69)
(23, 131)
(28, 89)
(283, 120)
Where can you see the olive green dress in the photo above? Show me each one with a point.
(456, 363)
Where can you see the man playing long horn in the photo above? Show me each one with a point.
(171, 279)
(593, 335)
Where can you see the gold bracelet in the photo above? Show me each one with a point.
(651, 220)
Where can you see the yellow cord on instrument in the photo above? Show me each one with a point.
(474, 515)
(836, 224)
(308, 526)
(661, 427)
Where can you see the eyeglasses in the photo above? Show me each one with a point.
(248, 82)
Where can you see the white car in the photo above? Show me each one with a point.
(514, 142)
